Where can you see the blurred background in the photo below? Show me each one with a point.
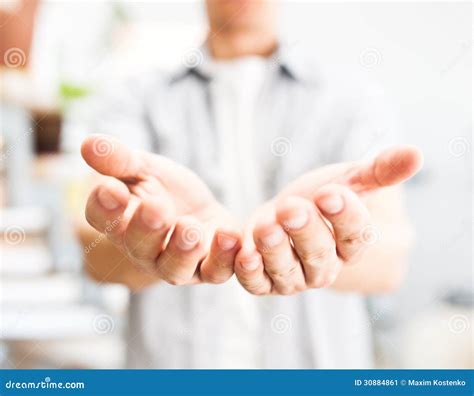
(55, 55)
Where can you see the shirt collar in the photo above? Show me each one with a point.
(288, 58)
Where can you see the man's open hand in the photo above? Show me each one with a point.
(171, 226)
(303, 237)
(160, 213)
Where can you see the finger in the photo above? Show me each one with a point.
(218, 266)
(111, 158)
(391, 167)
(106, 208)
(312, 239)
(251, 273)
(280, 261)
(348, 216)
(147, 232)
(186, 248)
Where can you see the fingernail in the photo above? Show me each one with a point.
(151, 220)
(226, 242)
(273, 239)
(297, 221)
(331, 204)
(250, 265)
(107, 200)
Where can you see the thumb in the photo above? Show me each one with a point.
(111, 158)
(389, 168)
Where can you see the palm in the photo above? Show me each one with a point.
(390, 168)
(166, 219)
(150, 174)
(183, 190)
(153, 198)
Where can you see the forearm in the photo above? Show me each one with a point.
(381, 268)
(105, 263)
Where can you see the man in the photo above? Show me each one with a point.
(271, 197)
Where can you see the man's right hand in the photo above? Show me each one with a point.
(160, 213)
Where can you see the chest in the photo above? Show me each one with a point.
(290, 126)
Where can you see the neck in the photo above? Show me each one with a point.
(229, 45)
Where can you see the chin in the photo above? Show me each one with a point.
(240, 13)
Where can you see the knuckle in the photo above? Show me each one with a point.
(352, 256)
(261, 291)
(312, 284)
(352, 246)
(171, 276)
(317, 282)
(256, 288)
(137, 250)
(146, 268)
(352, 239)
(291, 289)
(223, 265)
(286, 291)
(324, 279)
(315, 258)
(266, 250)
(115, 238)
(282, 272)
(175, 281)
(210, 276)
(137, 254)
